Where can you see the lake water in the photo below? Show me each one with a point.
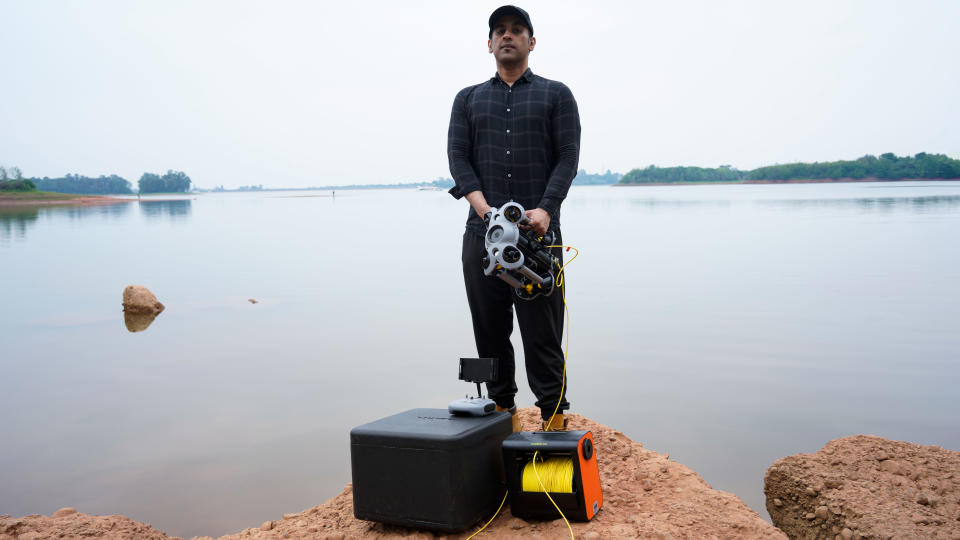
(727, 325)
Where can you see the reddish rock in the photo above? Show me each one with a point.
(139, 299)
(64, 512)
(871, 488)
(68, 523)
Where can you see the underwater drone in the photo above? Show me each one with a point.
(518, 256)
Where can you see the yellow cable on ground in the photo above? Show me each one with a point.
(495, 514)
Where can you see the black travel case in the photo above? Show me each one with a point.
(428, 469)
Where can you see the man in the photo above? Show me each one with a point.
(515, 137)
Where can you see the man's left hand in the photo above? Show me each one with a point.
(539, 220)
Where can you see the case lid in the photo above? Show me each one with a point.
(431, 428)
(544, 441)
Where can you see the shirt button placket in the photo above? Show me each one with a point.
(509, 160)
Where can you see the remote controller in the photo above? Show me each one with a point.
(472, 407)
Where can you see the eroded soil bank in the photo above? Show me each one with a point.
(645, 495)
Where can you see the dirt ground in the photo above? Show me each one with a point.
(867, 487)
(645, 495)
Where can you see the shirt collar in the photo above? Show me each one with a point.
(527, 76)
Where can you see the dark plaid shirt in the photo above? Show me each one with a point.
(514, 144)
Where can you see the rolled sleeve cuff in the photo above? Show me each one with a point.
(462, 188)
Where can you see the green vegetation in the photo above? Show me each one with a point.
(74, 183)
(887, 167)
(14, 181)
(172, 182)
(584, 178)
(654, 174)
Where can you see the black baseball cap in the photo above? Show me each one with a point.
(509, 10)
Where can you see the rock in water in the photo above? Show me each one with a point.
(864, 483)
(138, 322)
(139, 299)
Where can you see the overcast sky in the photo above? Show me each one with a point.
(315, 93)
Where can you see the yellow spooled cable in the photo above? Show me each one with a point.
(557, 473)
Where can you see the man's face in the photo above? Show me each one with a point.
(511, 42)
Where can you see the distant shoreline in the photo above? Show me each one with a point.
(791, 181)
(49, 198)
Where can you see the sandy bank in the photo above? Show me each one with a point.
(645, 493)
(80, 200)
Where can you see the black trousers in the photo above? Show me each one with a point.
(492, 302)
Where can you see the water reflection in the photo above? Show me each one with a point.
(109, 211)
(924, 204)
(138, 322)
(671, 204)
(176, 210)
(15, 221)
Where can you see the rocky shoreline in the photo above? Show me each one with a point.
(856, 487)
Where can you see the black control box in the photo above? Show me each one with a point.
(429, 469)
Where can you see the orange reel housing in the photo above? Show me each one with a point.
(586, 497)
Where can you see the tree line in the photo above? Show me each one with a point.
(171, 182)
(584, 178)
(886, 167)
(654, 174)
(75, 183)
(13, 180)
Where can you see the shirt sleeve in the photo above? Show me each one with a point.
(566, 146)
(459, 149)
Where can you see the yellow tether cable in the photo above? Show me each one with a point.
(495, 514)
(557, 475)
(563, 293)
(563, 383)
(545, 492)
